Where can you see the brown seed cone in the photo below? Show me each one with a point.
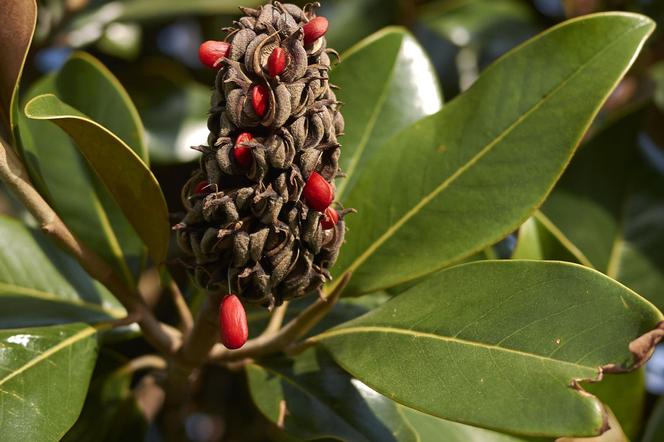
(250, 230)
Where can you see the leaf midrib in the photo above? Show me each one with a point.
(446, 339)
(477, 157)
(79, 336)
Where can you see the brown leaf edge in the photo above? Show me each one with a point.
(641, 348)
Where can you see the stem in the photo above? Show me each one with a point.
(295, 329)
(276, 319)
(13, 173)
(145, 362)
(186, 320)
(192, 354)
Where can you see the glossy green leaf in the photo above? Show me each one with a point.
(17, 26)
(63, 177)
(40, 285)
(44, 375)
(462, 179)
(128, 179)
(432, 429)
(386, 83)
(608, 208)
(321, 400)
(110, 412)
(654, 431)
(498, 344)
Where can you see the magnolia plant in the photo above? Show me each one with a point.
(363, 296)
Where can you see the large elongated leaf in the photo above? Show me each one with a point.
(432, 429)
(500, 344)
(460, 180)
(17, 25)
(321, 400)
(310, 397)
(128, 179)
(40, 285)
(386, 83)
(609, 206)
(62, 175)
(44, 375)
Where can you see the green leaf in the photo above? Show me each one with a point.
(128, 179)
(110, 413)
(17, 26)
(462, 179)
(607, 208)
(62, 175)
(432, 429)
(44, 379)
(321, 400)
(386, 83)
(40, 285)
(505, 339)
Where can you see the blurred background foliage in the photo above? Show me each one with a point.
(152, 46)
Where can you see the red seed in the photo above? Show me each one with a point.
(212, 52)
(233, 327)
(276, 63)
(329, 219)
(202, 187)
(314, 30)
(259, 99)
(241, 153)
(318, 193)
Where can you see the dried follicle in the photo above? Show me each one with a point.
(262, 225)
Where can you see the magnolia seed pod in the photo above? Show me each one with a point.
(261, 222)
